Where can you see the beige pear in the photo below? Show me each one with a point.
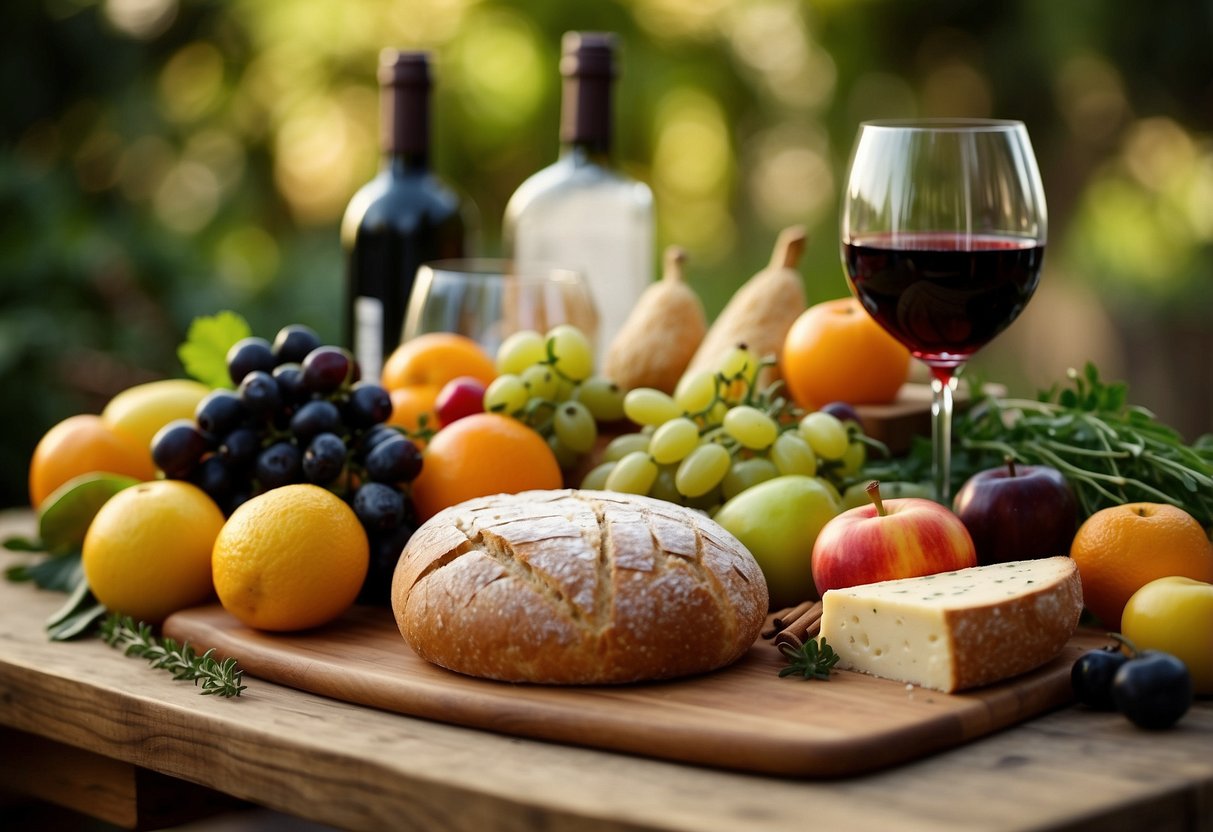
(661, 333)
(761, 312)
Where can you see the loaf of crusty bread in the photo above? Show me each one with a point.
(577, 587)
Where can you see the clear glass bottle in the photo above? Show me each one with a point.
(402, 218)
(580, 212)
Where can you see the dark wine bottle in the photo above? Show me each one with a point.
(402, 218)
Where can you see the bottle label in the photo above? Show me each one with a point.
(368, 336)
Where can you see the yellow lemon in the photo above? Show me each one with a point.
(147, 553)
(139, 411)
(292, 558)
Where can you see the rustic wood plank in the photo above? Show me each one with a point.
(111, 790)
(69, 777)
(360, 768)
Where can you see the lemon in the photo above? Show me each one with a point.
(140, 411)
(147, 552)
(292, 558)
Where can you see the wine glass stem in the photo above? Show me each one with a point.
(943, 383)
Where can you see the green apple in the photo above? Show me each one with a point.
(778, 521)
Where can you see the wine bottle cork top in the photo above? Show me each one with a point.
(404, 68)
(588, 53)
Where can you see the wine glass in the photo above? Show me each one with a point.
(943, 233)
(488, 300)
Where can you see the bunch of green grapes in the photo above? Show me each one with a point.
(548, 382)
(719, 435)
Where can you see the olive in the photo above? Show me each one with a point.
(1153, 690)
(1091, 677)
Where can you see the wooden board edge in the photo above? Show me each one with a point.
(1047, 689)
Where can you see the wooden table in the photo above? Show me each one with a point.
(82, 724)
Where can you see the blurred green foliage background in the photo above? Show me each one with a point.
(169, 158)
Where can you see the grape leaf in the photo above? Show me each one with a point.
(204, 353)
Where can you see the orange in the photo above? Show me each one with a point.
(479, 455)
(435, 358)
(836, 352)
(147, 552)
(82, 445)
(292, 558)
(410, 403)
(1120, 549)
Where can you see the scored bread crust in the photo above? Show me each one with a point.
(577, 587)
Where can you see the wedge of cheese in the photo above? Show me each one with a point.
(956, 630)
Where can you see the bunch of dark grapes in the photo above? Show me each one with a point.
(300, 414)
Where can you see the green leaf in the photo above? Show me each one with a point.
(60, 573)
(68, 511)
(79, 623)
(204, 353)
(80, 597)
(23, 544)
(77, 616)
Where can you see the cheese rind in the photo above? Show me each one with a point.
(956, 630)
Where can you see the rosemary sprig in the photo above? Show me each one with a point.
(1111, 452)
(810, 660)
(217, 678)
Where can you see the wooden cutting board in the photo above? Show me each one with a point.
(899, 422)
(743, 717)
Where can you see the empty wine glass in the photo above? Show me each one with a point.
(943, 233)
(488, 300)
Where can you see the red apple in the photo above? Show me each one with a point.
(459, 397)
(1018, 513)
(904, 538)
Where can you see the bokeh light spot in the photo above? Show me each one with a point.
(501, 72)
(1090, 97)
(191, 83)
(142, 19)
(791, 179)
(187, 198)
(315, 169)
(247, 259)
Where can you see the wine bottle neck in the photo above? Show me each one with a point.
(401, 164)
(404, 100)
(588, 67)
(585, 112)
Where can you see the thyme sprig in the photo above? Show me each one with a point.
(217, 678)
(811, 660)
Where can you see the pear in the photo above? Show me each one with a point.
(761, 312)
(661, 333)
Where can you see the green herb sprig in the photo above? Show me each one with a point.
(811, 660)
(217, 678)
(1111, 452)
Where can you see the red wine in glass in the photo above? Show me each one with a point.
(943, 231)
(944, 295)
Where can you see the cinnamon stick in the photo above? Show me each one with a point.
(805, 626)
(781, 619)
